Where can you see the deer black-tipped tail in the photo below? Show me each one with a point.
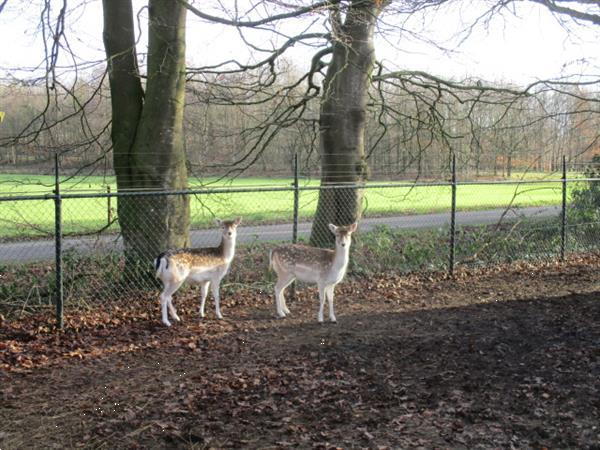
(161, 263)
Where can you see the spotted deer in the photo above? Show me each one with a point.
(324, 267)
(206, 266)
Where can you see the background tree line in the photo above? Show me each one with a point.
(403, 140)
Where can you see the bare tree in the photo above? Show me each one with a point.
(345, 92)
(343, 117)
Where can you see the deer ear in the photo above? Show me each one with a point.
(333, 228)
(352, 228)
(237, 221)
(219, 222)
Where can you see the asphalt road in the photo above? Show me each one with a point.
(43, 250)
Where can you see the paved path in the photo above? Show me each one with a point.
(43, 250)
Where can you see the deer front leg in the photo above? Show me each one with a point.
(321, 303)
(329, 294)
(215, 292)
(204, 294)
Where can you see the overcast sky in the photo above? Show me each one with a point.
(514, 48)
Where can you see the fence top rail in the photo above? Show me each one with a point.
(15, 198)
(290, 188)
(504, 182)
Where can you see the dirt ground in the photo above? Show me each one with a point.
(507, 357)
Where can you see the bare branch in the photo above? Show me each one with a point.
(297, 12)
(556, 6)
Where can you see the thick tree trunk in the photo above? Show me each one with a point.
(342, 120)
(125, 85)
(158, 223)
(148, 129)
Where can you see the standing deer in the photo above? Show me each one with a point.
(324, 267)
(200, 265)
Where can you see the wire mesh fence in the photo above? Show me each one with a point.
(522, 223)
(78, 246)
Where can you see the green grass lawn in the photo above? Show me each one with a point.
(36, 217)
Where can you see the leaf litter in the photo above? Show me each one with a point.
(503, 357)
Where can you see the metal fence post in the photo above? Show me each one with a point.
(295, 216)
(296, 200)
(59, 294)
(563, 225)
(108, 206)
(453, 219)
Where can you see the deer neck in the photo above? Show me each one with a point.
(341, 257)
(227, 248)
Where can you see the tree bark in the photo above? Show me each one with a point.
(148, 129)
(125, 85)
(343, 118)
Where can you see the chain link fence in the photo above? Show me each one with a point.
(57, 247)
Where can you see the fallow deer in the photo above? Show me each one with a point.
(206, 266)
(324, 267)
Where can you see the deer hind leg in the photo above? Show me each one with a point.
(166, 301)
(284, 302)
(204, 294)
(284, 306)
(283, 281)
(329, 295)
(173, 311)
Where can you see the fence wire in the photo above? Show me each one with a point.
(402, 228)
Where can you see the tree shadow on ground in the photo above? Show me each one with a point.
(519, 373)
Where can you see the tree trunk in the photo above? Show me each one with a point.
(147, 129)
(343, 118)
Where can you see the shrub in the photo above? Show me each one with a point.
(584, 214)
(586, 196)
